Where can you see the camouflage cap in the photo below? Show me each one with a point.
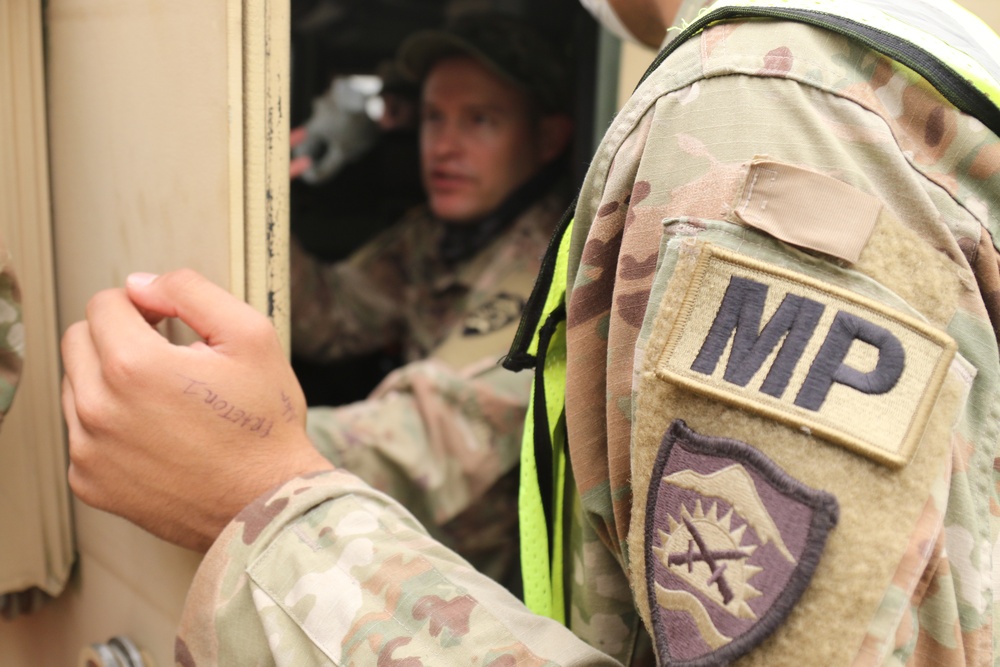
(503, 44)
(396, 81)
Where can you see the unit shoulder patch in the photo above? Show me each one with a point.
(808, 354)
(731, 543)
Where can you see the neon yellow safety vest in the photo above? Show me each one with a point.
(951, 48)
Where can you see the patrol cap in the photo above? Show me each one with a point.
(396, 81)
(504, 45)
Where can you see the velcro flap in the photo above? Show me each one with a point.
(808, 209)
(807, 354)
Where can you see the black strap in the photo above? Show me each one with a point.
(518, 358)
(544, 456)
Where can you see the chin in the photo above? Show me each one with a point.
(454, 212)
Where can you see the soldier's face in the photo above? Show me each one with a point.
(478, 139)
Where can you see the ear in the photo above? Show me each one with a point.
(555, 131)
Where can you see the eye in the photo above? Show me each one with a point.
(484, 119)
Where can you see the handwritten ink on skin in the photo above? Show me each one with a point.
(228, 411)
(289, 412)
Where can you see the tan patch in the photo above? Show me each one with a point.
(808, 209)
(881, 423)
(903, 261)
(879, 505)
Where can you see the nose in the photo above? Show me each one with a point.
(443, 140)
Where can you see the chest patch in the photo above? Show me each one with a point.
(731, 543)
(808, 354)
(493, 315)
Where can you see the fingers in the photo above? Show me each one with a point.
(212, 312)
(68, 400)
(299, 166)
(139, 279)
(116, 326)
(297, 135)
(80, 358)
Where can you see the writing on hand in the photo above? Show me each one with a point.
(228, 410)
(289, 412)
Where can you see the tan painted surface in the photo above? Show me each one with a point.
(140, 134)
(987, 10)
(634, 61)
(266, 30)
(139, 108)
(34, 512)
(146, 132)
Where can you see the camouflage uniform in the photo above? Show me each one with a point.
(325, 570)
(398, 290)
(11, 334)
(12, 603)
(439, 432)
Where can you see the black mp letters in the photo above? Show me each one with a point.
(794, 322)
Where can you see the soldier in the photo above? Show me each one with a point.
(493, 129)
(776, 315)
(447, 284)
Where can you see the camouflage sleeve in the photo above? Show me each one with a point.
(11, 336)
(444, 442)
(431, 436)
(349, 307)
(325, 570)
(773, 173)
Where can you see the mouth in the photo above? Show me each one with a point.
(443, 181)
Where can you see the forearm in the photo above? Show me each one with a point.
(432, 437)
(328, 569)
(339, 310)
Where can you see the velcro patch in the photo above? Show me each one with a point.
(808, 354)
(807, 209)
(731, 543)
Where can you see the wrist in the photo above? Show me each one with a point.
(253, 485)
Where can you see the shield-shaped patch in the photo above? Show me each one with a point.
(731, 543)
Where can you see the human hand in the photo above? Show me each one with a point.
(179, 439)
(301, 164)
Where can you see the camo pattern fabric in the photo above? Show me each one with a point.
(11, 335)
(441, 434)
(679, 153)
(444, 442)
(12, 604)
(328, 571)
(397, 290)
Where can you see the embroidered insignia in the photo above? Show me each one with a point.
(732, 542)
(808, 354)
(493, 315)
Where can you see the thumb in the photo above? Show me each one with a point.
(297, 135)
(212, 312)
